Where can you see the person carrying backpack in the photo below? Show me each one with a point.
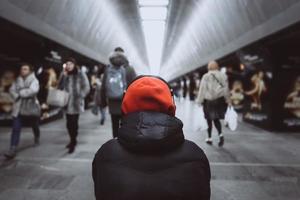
(113, 87)
(130, 72)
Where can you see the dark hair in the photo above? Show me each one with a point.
(71, 59)
(31, 68)
(119, 49)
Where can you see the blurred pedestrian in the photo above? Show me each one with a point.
(185, 87)
(113, 86)
(214, 96)
(97, 100)
(26, 107)
(130, 72)
(192, 87)
(150, 159)
(76, 83)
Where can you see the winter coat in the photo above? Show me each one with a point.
(24, 88)
(114, 105)
(130, 74)
(97, 95)
(214, 85)
(78, 87)
(151, 160)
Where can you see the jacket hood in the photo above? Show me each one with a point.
(150, 132)
(118, 59)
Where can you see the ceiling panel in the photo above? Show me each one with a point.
(91, 27)
(211, 29)
(197, 30)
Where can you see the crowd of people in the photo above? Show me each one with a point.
(149, 130)
(109, 90)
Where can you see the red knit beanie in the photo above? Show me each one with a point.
(148, 94)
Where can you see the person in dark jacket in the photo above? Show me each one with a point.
(117, 65)
(130, 72)
(192, 87)
(150, 159)
(185, 87)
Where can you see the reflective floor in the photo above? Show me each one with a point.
(253, 164)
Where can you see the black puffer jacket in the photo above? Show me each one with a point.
(151, 160)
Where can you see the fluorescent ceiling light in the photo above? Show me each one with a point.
(153, 13)
(154, 36)
(153, 2)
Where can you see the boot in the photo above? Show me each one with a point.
(68, 145)
(71, 148)
(101, 121)
(74, 143)
(221, 142)
(36, 141)
(209, 141)
(11, 153)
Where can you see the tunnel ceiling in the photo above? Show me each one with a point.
(211, 29)
(197, 30)
(91, 27)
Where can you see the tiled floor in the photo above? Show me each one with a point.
(253, 164)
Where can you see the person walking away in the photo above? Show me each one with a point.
(130, 72)
(150, 159)
(97, 99)
(185, 87)
(113, 87)
(192, 87)
(26, 107)
(76, 83)
(214, 96)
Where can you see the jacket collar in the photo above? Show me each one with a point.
(150, 132)
(27, 79)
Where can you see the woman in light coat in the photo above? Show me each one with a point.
(214, 96)
(76, 83)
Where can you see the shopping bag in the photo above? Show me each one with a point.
(30, 107)
(57, 97)
(231, 118)
(200, 123)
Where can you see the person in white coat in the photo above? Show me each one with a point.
(214, 96)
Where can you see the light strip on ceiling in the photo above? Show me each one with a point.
(153, 2)
(154, 36)
(154, 14)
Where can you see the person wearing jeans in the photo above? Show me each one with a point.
(102, 115)
(25, 108)
(17, 126)
(97, 100)
(76, 84)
